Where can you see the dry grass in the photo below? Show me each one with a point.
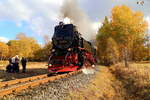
(33, 68)
(117, 83)
(3, 63)
(141, 66)
(135, 80)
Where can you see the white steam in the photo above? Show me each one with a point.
(71, 9)
(88, 70)
(67, 20)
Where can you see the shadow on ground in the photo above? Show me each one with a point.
(4, 76)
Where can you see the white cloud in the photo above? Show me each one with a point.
(4, 39)
(147, 18)
(54, 2)
(39, 14)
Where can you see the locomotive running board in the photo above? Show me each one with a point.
(68, 69)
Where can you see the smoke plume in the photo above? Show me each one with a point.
(71, 9)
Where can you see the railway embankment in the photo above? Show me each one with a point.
(56, 90)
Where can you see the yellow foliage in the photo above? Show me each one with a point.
(3, 50)
(129, 25)
(128, 30)
(24, 46)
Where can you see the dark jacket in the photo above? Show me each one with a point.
(23, 61)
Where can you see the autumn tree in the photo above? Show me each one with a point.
(3, 50)
(147, 46)
(43, 53)
(102, 36)
(126, 27)
(23, 46)
(112, 51)
(14, 47)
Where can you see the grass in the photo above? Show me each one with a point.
(135, 80)
(33, 68)
(3, 63)
(117, 83)
(141, 66)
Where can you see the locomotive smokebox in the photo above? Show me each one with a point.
(63, 36)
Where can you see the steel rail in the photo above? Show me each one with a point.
(12, 82)
(31, 84)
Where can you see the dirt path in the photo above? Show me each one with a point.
(104, 87)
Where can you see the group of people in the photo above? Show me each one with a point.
(13, 65)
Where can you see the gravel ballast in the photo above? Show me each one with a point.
(57, 90)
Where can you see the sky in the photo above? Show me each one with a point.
(37, 18)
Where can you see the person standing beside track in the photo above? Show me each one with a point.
(23, 62)
(16, 63)
(13, 64)
(9, 67)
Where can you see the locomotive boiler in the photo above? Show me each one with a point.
(70, 51)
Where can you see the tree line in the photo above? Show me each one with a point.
(25, 47)
(123, 37)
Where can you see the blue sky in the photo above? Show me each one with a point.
(9, 29)
(37, 18)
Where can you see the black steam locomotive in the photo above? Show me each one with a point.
(70, 51)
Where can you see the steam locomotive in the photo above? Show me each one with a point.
(70, 51)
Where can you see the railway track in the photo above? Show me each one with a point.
(14, 86)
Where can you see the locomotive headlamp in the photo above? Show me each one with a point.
(53, 50)
(49, 64)
(69, 49)
(93, 66)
